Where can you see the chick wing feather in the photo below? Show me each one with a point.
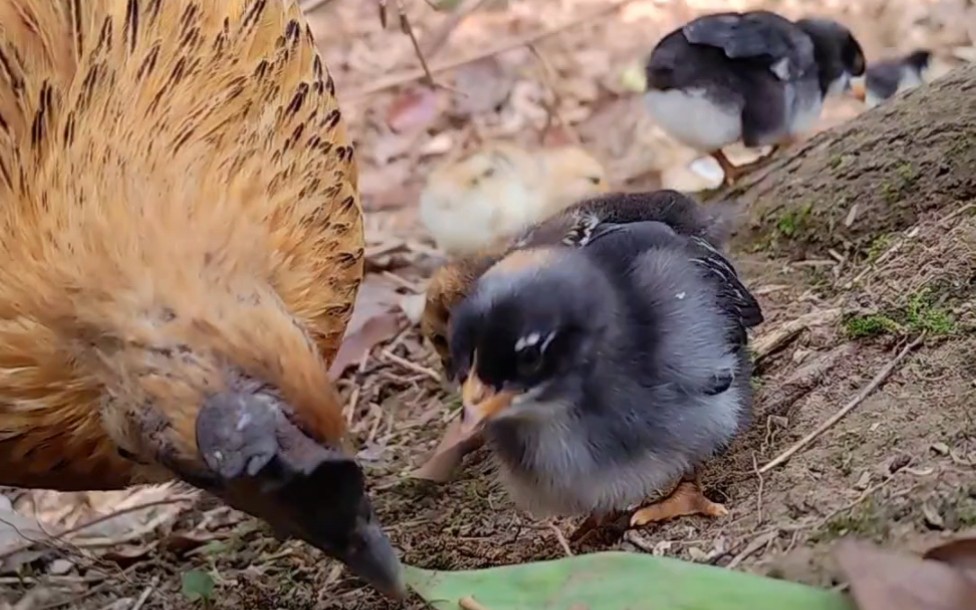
(759, 36)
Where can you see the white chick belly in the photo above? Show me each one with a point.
(549, 493)
(693, 119)
(804, 113)
(560, 476)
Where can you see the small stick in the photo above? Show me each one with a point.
(145, 594)
(561, 539)
(436, 40)
(416, 368)
(469, 603)
(756, 544)
(880, 378)
(771, 341)
(407, 29)
(83, 526)
(408, 76)
(759, 494)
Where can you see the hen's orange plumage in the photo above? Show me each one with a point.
(180, 222)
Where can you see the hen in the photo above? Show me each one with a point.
(182, 243)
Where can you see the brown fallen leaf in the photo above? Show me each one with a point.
(413, 110)
(887, 580)
(358, 344)
(959, 553)
(373, 321)
(447, 456)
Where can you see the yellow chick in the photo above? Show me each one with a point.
(500, 190)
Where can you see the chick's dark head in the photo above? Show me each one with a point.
(528, 327)
(837, 52)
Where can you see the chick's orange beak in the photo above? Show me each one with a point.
(858, 90)
(481, 402)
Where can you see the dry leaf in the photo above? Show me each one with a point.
(959, 553)
(355, 346)
(887, 580)
(454, 445)
(373, 321)
(412, 110)
(484, 85)
(17, 530)
(413, 306)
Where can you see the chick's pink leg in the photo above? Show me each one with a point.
(686, 499)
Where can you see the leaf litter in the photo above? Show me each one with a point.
(396, 406)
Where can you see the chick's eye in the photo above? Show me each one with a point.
(528, 361)
(595, 179)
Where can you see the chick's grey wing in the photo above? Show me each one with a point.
(736, 300)
(576, 225)
(759, 36)
(618, 245)
(883, 78)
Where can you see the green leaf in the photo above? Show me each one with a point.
(197, 585)
(618, 581)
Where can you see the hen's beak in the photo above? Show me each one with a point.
(371, 557)
(858, 90)
(481, 402)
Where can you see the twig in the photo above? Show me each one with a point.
(756, 544)
(561, 539)
(83, 526)
(436, 39)
(407, 29)
(854, 402)
(944, 221)
(552, 110)
(771, 341)
(145, 594)
(408, 76)
(469, 603)
(423, 370)
(759, 494)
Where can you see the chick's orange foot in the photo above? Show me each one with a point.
(686, 499)
(733, 173)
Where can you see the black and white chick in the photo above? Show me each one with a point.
(885, 78)
(602, 374)
(755, 77)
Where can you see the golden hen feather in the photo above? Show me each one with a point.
(182, 243)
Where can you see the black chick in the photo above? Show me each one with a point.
(755, 77)
(885, 78)
(604, 374)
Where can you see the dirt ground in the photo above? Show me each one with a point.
(900, 468)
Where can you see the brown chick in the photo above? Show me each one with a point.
(499, 190)
(182, 243)
(454, 281)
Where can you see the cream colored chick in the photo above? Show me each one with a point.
(501, 189)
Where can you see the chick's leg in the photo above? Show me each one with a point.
(731, 172)
(686, 499)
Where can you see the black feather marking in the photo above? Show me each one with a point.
(132, 24)
(255, 12)
(332, 119)
(737, 300)
(148, 62)
(154, 6)
(298, 99)
(104, 37)
(79, 36)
